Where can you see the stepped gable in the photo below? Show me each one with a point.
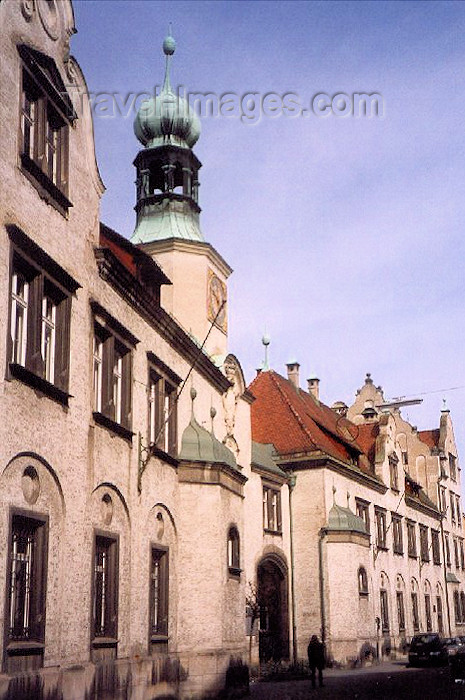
(294, 421)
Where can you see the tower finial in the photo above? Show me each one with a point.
(169, 47)
(266, 340)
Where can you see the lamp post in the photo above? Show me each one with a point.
(291, 483)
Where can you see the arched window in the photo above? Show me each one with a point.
(458, 616)
(233, 552)
(462, 605)
(362, 581)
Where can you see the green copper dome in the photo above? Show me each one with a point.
(342, 519)
(167, 117)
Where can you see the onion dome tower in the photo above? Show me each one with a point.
(167, 214)
(167, 169)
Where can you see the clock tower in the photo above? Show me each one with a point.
(168, 211)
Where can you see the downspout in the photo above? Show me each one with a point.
(321, 535)
(291, 484)
(444, 564)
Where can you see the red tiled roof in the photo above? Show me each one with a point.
(294, 421)
(367, 434)
(123, 255)
(429, 437)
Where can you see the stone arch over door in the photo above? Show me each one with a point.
(273, 585)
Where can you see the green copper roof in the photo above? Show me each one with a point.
(169, 219)
(200, 445)
(342, 519)
(262, 456)
(167, 118)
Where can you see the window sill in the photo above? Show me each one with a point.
(104, 642)
(17, 648)
(234, 572)
(399, 552)
(35, 382)
(112, 426)
(382, 547)
(268, 531)
(165, 456)
(363, 594)
(413, 556)
(44, 186)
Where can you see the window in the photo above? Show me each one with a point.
(435, 547)
(442, 499)
(452, 466)
(458, 511)
(456, 554)
(163, 390)
(380, 516)
(424, 549)
(405, 457)
(271, 509)
(429, 624)
(27, 579)
(112, 373)
(462, 560)
(452, 506)
(394, 471)
(362, 581)
(398, 545)
(415, 616)
(40, 313)
(46, 113)
(362, 510)
(446, 540)
(159, 593)
(440, 617)
(411, 539)
(457, 609)
(462, 605)
(233, 552)
(400, 610)
(384, 610)
(105, 592)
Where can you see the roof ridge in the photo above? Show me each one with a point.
(293, 411)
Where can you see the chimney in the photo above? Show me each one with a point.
(293, 373)
(314, 387)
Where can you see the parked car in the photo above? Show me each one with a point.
(426, 649)
(451, 645)
(457, 664)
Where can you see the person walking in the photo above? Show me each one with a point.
(316, 659)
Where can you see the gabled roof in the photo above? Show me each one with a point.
(295, 421)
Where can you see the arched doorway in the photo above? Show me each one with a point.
(274, 616)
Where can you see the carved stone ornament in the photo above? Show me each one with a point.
(106, 509)
(30, 485)
(50, 17)
(230, 399)
(27, 8)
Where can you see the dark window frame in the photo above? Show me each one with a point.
(362, 582)
(31, 644)
(424, 546)
(159, 598)
(397, 534)
(415, 611)
(362, 509)
(233, 552)
(435, 546)
(381, 528)
(384, 610)
(163, 387)
(44, 279)
(46, 114)
(412, 539)
(106, 635)
(400, 610)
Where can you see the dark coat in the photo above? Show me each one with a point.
(316, 654)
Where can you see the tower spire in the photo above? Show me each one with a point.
(169, 47)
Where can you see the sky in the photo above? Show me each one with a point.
(345, 233)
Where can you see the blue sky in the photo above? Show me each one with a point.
(346, 234)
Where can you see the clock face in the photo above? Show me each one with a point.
(216, 302)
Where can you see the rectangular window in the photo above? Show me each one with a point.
(456, 554)
(394, 471)
(380, 516)
(271, 509)
(46, 114)
(112, 373)
(452, 506)
(362, 510)
(440, 617)
(452, 467)
(424, 548)
(429, 624)
(384, 611)
(411, 539)
(400, 611)
(415, 615)
(105, 591)
(159, 587)
(40, 315)
(462, 560)
(398, 545)
(162, 412)
(442, 499)
(446, 541)
(435, 546)
(458, 511)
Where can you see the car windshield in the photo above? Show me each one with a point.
(424, 639)
(449, 641)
